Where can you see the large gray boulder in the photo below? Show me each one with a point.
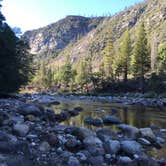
(92, 141)
(112, 146)
(111, 120)
(129, 131)
(148, 134)
(21, 129)
(131, 147)
(80, 132)
(29, 110)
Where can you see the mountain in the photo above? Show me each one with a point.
(79, 36)
(58, 35)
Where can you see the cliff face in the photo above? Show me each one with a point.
(79, 36)
(60, 34)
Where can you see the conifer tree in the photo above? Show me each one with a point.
(141, 55)
(161, 60)
(126, 54)
(109, 56)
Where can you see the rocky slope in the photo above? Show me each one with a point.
(94, 32)
(60, 34)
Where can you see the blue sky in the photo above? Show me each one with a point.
(31, 14)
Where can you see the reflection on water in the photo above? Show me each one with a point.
(138, 116)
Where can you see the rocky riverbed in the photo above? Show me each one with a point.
(31, 135)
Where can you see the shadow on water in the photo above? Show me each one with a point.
(138, 116)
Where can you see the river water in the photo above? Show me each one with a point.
(138, 116)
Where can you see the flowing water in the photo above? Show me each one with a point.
(138, 116)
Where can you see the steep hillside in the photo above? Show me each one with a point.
(153, 12)
(56, 36)
(78, 36)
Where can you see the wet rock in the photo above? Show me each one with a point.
(96, 160)
(72, 144)
(146, 161)
(18, 161)
(17, 119)
(81, 156)
(4, 136)
(144, 141)
(53, 140)
(29, 109)
(131, 147)
(129, 131)
(148, 134)
(79, 109)
(112, 146)
(73, 112)
(92, 141)
(80, 132)
(44, 147)
(95, 150)
(21, 129)
(106, 134)
(73, 161)
(14, 147)
(94, 121)
(124, 160)
(111, 120)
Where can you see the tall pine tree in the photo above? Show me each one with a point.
(126, 54)
(141, 56)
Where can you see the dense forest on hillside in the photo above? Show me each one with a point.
(120, 53)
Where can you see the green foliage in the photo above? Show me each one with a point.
(83, 74)
(141, 56)
(161, 60)
(126, 54)
(109, 56)
(15, 61)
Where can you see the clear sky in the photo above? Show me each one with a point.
(31, 14)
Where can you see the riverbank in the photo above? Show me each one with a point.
(32, 135)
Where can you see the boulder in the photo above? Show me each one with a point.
(111, 120)
(144, 141)
(131, 147)
(80, 132)
(92, 141)
(44, 147)
(112, 146)
(21, 129)
(105, 134)
(94, 121)
(148, 134)
(129, 131)
(29, 109)
(73, 161)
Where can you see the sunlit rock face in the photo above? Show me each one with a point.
(59, 34)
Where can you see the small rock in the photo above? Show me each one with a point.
(44, 147)
(81, 156)
(144, 141)
(73, 161)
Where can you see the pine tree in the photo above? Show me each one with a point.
(83, 76)
(126, 54)
(66, 73)
(141, 56)
(161, 60)
(109, 56)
